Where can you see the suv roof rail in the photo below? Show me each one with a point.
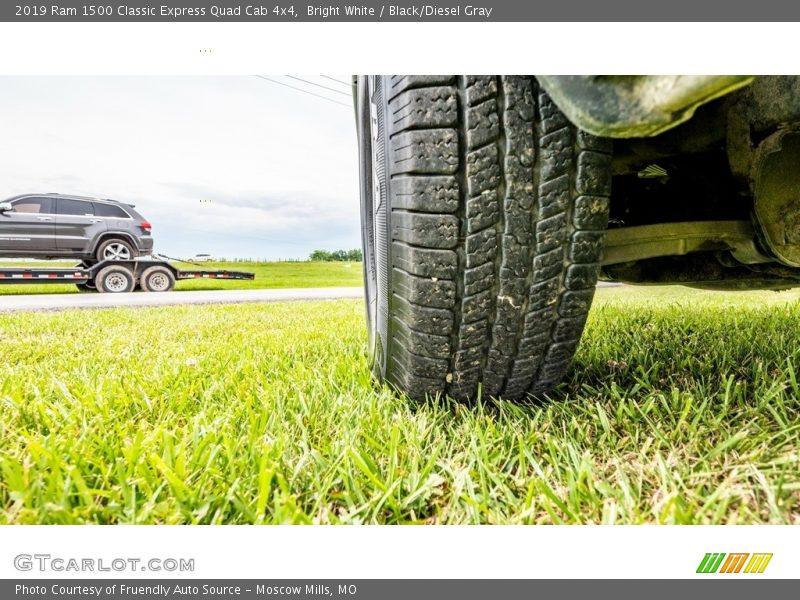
(80, 197)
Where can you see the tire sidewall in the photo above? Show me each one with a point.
(375, 217)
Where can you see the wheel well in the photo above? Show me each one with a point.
(113, 235)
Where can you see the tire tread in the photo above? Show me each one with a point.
(498, 214)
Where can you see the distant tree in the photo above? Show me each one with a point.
(320, 255)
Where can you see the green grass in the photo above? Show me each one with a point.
(681, 407)
(269, 275)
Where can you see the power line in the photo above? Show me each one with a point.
(256, 237)
(319, 85)
(347, 83)
(302, 90)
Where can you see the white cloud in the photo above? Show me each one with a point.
(235, 166)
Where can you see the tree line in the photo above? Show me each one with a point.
(336, 255)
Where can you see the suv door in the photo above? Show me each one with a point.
(76, 225)
(28, 229)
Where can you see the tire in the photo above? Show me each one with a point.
(86, 287)
(483, 221)
(157, 279)
(115, 249)
(114, 279)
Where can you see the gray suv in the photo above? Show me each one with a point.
(63, 226)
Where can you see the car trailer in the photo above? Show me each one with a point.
(116, 276)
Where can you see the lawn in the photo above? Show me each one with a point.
(681, 407)
(268, 275)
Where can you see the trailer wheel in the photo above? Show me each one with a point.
(483, 221)
(115, 279)
(157, 279)
(87, 286)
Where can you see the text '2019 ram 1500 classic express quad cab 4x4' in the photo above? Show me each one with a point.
(63, 226)
(492, 204)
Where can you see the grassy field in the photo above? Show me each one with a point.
(681, 407)
(268, 275)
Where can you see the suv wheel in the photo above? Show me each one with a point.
(483, 219)
(115, 249)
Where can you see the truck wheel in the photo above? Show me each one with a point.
(483, 220)
(157, 279)
(115, 249)
(114, 279)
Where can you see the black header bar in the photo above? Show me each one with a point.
(409, 10)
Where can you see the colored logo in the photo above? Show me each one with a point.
(741, 562)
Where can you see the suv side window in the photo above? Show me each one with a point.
(79, 208)
(109, 210)
(33, 205)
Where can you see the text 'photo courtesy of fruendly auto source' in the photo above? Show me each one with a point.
(399, 299)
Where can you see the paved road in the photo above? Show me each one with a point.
(63, 301)
(9, 303)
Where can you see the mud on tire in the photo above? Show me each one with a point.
(483, 217)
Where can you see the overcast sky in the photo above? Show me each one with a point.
(232, 166)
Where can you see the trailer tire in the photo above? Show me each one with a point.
(157, 279)
(483, 220)
(115, 279)
(86, 287)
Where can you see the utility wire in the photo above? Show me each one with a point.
(255, 237)
(319, 85)
(347, 83)
(302, 90)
